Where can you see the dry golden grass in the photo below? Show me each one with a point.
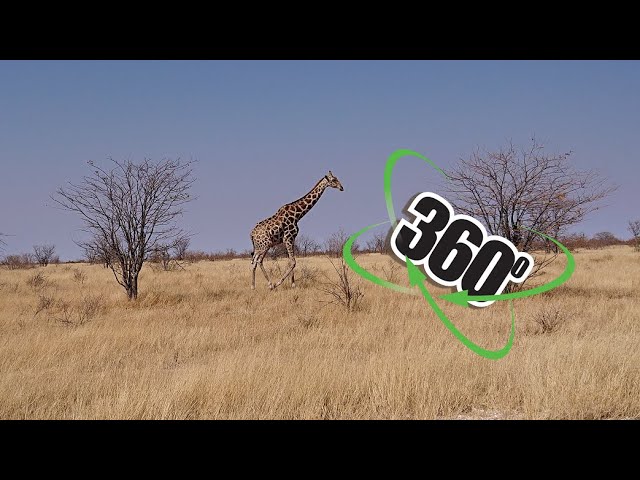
(200, 344)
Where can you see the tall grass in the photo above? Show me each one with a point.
(198, 343)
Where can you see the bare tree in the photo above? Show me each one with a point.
(378, 243)
(180, 248)
(605, 239)
(170, 255)
(97, 250)
(44, 254)
(162, 254)
(513, 188)
(305, 245)
(634, 228)
(2, 242)
(334, 244)
(131, 208)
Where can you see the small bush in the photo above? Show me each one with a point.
(306, 275)
(16, 262)
(79, 276)
(392, 271)
(342, 290)
(548, 320)
(37, 281)
(79, 314)
(45, 302)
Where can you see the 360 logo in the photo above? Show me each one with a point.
(454, 250)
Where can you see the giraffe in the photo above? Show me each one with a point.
(283, 228)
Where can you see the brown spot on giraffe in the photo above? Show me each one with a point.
(283, 228)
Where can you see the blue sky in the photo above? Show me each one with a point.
(264, 132)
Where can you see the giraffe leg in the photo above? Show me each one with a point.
(263, 270)
(254, 264)
(293, 280)
(288, 243)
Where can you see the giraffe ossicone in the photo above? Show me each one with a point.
(282, 228)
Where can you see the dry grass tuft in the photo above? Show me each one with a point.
(37, 281)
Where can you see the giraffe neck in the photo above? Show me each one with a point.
(300, 207)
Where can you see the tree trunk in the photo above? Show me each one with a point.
(132, 288)
(135, 286)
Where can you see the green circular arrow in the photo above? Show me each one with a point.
(417, 278)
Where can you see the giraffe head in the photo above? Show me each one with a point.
(333, 181)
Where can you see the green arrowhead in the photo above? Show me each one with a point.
(459, 298)
(416, 277)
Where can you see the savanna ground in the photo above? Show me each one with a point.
(199, 343)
